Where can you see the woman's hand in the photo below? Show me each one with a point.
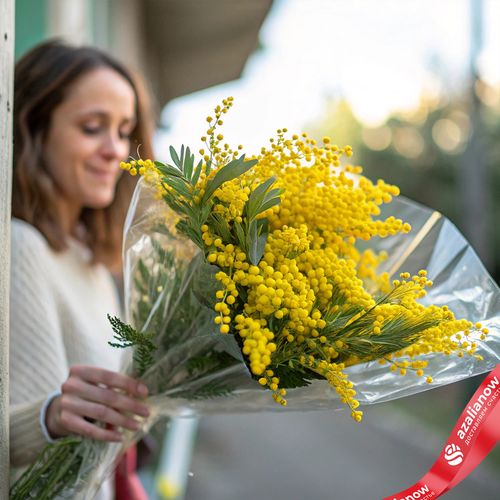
(93, 394)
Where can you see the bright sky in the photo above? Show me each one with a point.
(379, 55)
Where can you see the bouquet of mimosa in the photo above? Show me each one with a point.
(287, 279)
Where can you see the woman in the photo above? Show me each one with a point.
(78, 113)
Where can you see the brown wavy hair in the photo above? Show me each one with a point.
(42, 79)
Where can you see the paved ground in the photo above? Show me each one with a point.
(325, 455)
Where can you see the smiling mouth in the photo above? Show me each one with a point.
(103, 174)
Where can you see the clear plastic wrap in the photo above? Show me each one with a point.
(460, 281)
(169, 293)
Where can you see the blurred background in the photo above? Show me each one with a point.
(414, 88)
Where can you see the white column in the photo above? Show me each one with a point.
(6, 95)
(126, 35)
(70, 20)
(475, 187)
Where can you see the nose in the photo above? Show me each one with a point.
(114, 147)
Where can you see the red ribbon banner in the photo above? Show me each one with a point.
(475, 434)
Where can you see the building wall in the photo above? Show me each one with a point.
(180, 46)
(30, 25)
(76, 21)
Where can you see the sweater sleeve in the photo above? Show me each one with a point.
(38, 364)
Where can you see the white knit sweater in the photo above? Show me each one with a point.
(58, 308)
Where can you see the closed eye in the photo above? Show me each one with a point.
(125, 134)
(91, 129)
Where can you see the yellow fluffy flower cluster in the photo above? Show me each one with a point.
(313, 303)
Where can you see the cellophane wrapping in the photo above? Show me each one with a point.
(169, 292)
(435, 244)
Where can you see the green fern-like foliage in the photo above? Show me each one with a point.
(210, 390)
(38, 481)
(212, 362)
(126, 336)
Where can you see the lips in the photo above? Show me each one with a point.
(103, 174)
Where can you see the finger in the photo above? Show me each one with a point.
(78, 425)
(95, 411)
(107, 397)
(115, 380)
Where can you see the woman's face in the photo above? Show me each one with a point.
(88, 136)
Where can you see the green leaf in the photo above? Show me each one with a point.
(187, 208)
(205, 285)
(139, 287)
(256, 243)
(273, 193)
(261, 245)
(168, 170)
(187, 230)
(210, 390)
(294, 377)
(251, 240)
(256, 198)
(228, 172)
(221, 227)
(262, 226)
(126, 336)
(174, 156)
(268, 204)
(188, 164)
(143, 270)
(174, 204)
(55, 468)
(182, 157)
(212, 361)
(197, 172)
(180, 187)
(240, 235)
(209, 166)
(205, 212)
